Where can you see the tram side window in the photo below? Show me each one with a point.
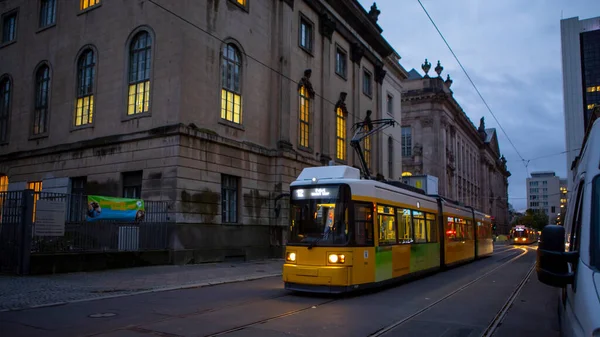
(404, 225)
(419, 226)
(469, 230)
(432, 234)
(387, 225)
(363, 219)
(455, 229)
(480, 230)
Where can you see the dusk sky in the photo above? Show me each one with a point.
(511, 50)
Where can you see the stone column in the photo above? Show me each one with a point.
(326, 28)
(285, 46)
(379, 138)
(356, 55)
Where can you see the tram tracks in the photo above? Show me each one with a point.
(498, 317)
(381, 331)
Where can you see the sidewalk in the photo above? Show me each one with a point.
(21, 292)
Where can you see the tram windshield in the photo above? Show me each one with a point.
(319, 215)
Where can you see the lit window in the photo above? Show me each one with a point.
(231, 93)
(241, 2)
(36, 186)
(47, 13)
(140, 52)
(406, 174)
(84, 108)
(5, 87)
(368, 151)
(3, 184)
(593, 89)
(591, 106)
(42, 86)
(306, 34)
(304, 117)
(340, 135)
(9, 27)
(85, 4)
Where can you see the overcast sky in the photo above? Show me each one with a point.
(511, 50)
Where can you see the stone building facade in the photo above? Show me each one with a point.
(438, 139)
(213, 106)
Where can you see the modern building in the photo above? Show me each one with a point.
(563, 201)
(438, 139)
(580, 41)
(212, 106)
(545, 194)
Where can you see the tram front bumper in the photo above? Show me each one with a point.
(302, 277)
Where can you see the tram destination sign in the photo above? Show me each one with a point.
(315, 193)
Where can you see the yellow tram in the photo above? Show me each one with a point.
(348, 233)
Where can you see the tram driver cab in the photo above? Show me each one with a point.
(568, 257)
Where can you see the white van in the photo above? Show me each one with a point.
(569, 257)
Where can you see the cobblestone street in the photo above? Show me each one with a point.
(33, 291)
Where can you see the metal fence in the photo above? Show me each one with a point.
(11, 231)
(81, 236)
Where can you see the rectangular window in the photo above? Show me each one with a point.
(36, 186)
(231, 92)
(9, 27)
(84, 106)
(132, 184)
(406, 141)
(5, 106)
(85, 4)
(363, 219)
(229, 196)
(367, 88)
(47, 13)
(553, 209)
(404, 225)
(3, 190)
(304, 131)
(390, 104)
(340, 134)
(242, 2)
(367, 151)
(419, 226)
(432, 234)
(387, 225)
(341, 63)
(306, 34)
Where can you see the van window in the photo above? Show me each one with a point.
(595, 223)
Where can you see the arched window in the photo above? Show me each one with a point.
(391, 157)
(231, 91)
(304, 117)
(340, 134)
(42, 91)
(367, 146)
(86, 72)
(5, 105)
(140, 53)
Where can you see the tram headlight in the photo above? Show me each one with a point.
(290, 257)
(337, 258)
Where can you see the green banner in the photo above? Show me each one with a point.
(109, 208)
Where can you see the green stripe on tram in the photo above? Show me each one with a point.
(424, 256)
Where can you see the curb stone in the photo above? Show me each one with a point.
(186, 286)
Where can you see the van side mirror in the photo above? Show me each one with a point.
(552, 261)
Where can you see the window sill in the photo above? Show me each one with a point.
(40, 136)
(345, 78)
(41, 29)
(370, 96)
(243, 7)
(91, 8)
(82, 127)
(232, 124)
(6, 44)
(306, 50)
(305, 149)
(136, 116)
